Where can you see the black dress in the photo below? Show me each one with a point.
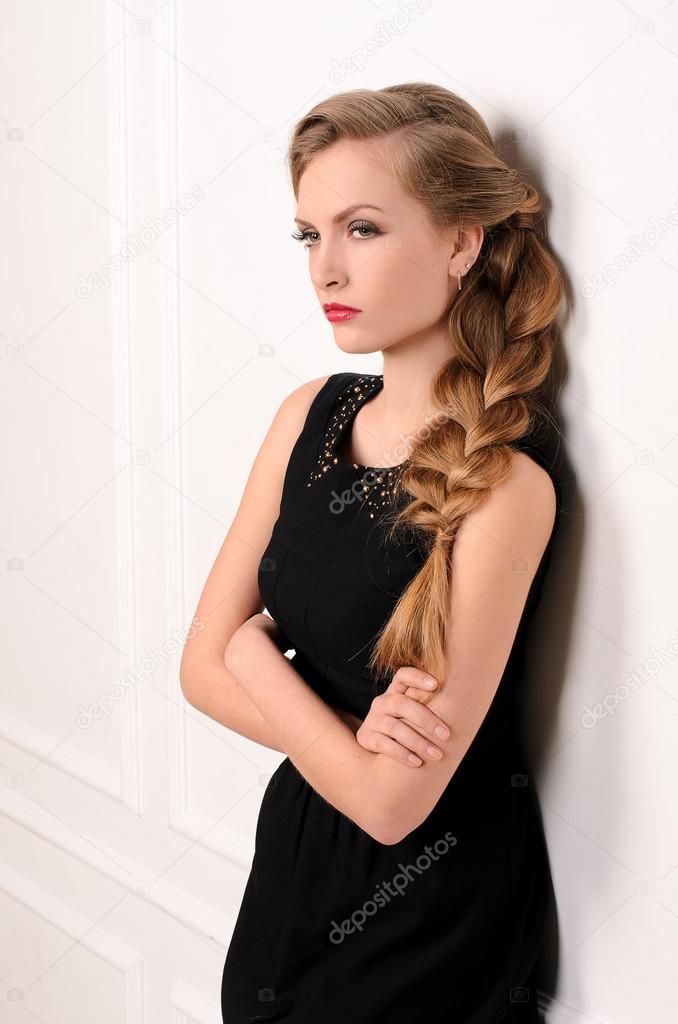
(335, 927)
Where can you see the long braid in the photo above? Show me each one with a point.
(502, 328)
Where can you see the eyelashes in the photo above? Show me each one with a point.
(356, 225)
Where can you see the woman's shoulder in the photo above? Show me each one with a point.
(307, 392)
(310, 395)
(301, 405)
(543, 447)
(303, 396)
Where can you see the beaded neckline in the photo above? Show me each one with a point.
(376, 482)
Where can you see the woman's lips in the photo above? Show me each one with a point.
(335, 315)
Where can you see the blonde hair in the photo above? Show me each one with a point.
(502, 326)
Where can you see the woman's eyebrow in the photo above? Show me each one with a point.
(338, 217)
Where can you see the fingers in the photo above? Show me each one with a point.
(398, 723)
(378, 743)
(414, 742)
(407, 675)
(403, 706)
(420, 696)
(402, 744)
(418, 685)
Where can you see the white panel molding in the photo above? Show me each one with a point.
(217, 837)
(125, 784)
(130, 707)
(45, 747)
(181, 817)
(196, 916)
(96, 939)
(175, 605)
(189, 1007)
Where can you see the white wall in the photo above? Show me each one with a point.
(133, 410)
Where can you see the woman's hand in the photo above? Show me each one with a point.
(395, 715)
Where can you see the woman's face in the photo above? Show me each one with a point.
(391, 263)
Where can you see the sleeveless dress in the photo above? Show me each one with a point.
(334, 927)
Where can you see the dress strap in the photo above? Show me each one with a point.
(327, 399)
(307, 447)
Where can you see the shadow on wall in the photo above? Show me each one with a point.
(546, 653)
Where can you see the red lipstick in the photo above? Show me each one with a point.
(336, 311)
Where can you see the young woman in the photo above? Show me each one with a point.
(397, 528)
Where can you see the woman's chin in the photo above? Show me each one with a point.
(359, 346)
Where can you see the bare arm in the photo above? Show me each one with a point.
(231, 593)
(495, 557)
(321, 746)
(222, 698)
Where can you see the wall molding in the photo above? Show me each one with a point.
(196, 916)
(97, 940)
(189, 1007)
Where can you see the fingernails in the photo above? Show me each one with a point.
(434, 752)
(441, 731)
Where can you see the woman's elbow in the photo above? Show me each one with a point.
(186, 681)
(189, 678)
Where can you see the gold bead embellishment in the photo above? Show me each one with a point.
(374, 487)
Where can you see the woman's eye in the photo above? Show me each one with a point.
(363, 225)
(356, 225)
(302, 236)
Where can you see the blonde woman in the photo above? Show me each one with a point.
(397, 527)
